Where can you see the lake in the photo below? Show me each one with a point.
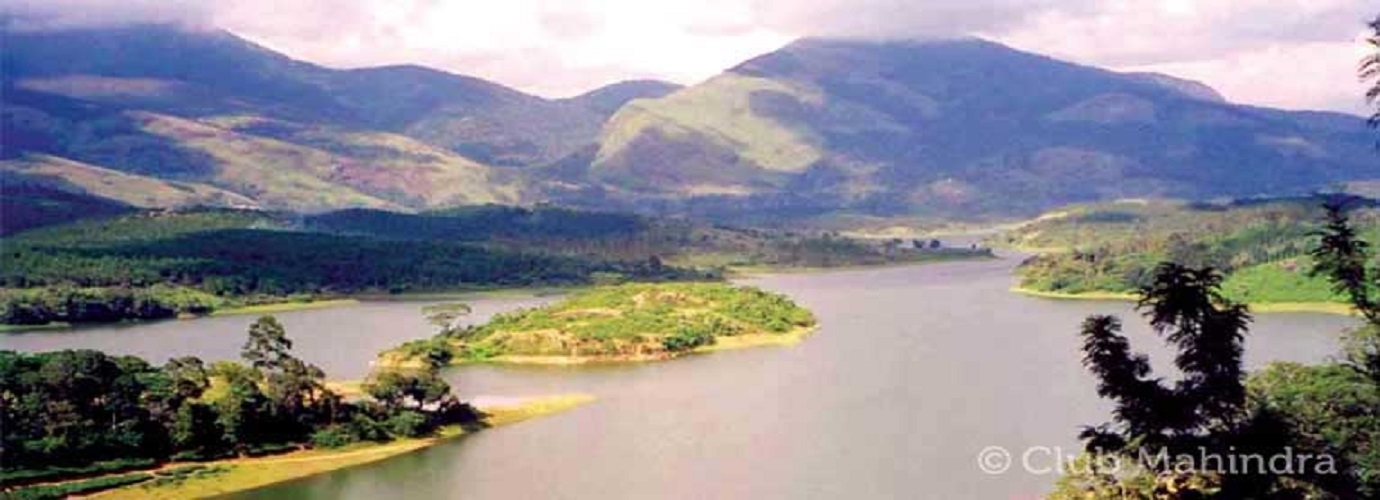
(912, 373)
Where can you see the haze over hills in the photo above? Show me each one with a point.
(960, 128)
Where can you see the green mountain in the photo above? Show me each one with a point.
(607, 99)
(157, 115)
(209, 108)
(955, 128)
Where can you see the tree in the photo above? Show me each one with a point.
(293, 388)
(290, 384)
(195, 429)
(393, 388)
(188, 376)
(1185, 306)
(1206, 408)
(242, 411)
(1370, 70)
(267, 345)
(444, 316)
(1344, 259)
(388, 388)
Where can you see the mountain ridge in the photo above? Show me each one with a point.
(963, 127)
(960, 128)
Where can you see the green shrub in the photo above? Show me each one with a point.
(77, 488)
(407, 424)
(688, 338)
(334, 436)
(270, 449)
(30, 476)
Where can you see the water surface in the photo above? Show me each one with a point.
(913, 371)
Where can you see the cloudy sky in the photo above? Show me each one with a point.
(1283, 53)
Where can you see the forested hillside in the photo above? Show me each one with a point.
(162, 263)
(1262, 246)
(159, 264)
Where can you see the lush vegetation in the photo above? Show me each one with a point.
(161, 264)
(604, 235)
(1329, 412)
(481, 223)
(1261, 246)
(73, 414)
(631, 321)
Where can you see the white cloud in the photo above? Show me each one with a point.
(52, 14)
(1291, 53)
(1320, 75)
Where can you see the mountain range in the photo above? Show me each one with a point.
(156, 115)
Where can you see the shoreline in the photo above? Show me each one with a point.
(277, 307)
(330, 303)
(751, 272)
(243, 474)
(1258, 307)
(478, 293)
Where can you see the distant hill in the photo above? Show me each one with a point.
(607, 99)
(25, 206)
(957, 128)
(822, 128)
(209, 107)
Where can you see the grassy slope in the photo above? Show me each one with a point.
(135, 190)
(1260, 246)
(688, 128)
(721, 109)
(395, 167)
(145, 227)
(276, 173)
(245, 474)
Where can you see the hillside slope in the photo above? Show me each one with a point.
(207, 106)
(822, 128)
(960, 128)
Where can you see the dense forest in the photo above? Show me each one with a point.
(76, 414)
(159, 264)
(1260, 245)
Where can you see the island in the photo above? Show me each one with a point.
(621, 323)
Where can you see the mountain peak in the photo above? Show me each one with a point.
(960, 127)
(607, 99)
(1190, 88)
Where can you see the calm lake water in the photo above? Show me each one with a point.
(913, 372)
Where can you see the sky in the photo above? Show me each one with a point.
(1296, 54)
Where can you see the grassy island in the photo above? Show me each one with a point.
(631, 322)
